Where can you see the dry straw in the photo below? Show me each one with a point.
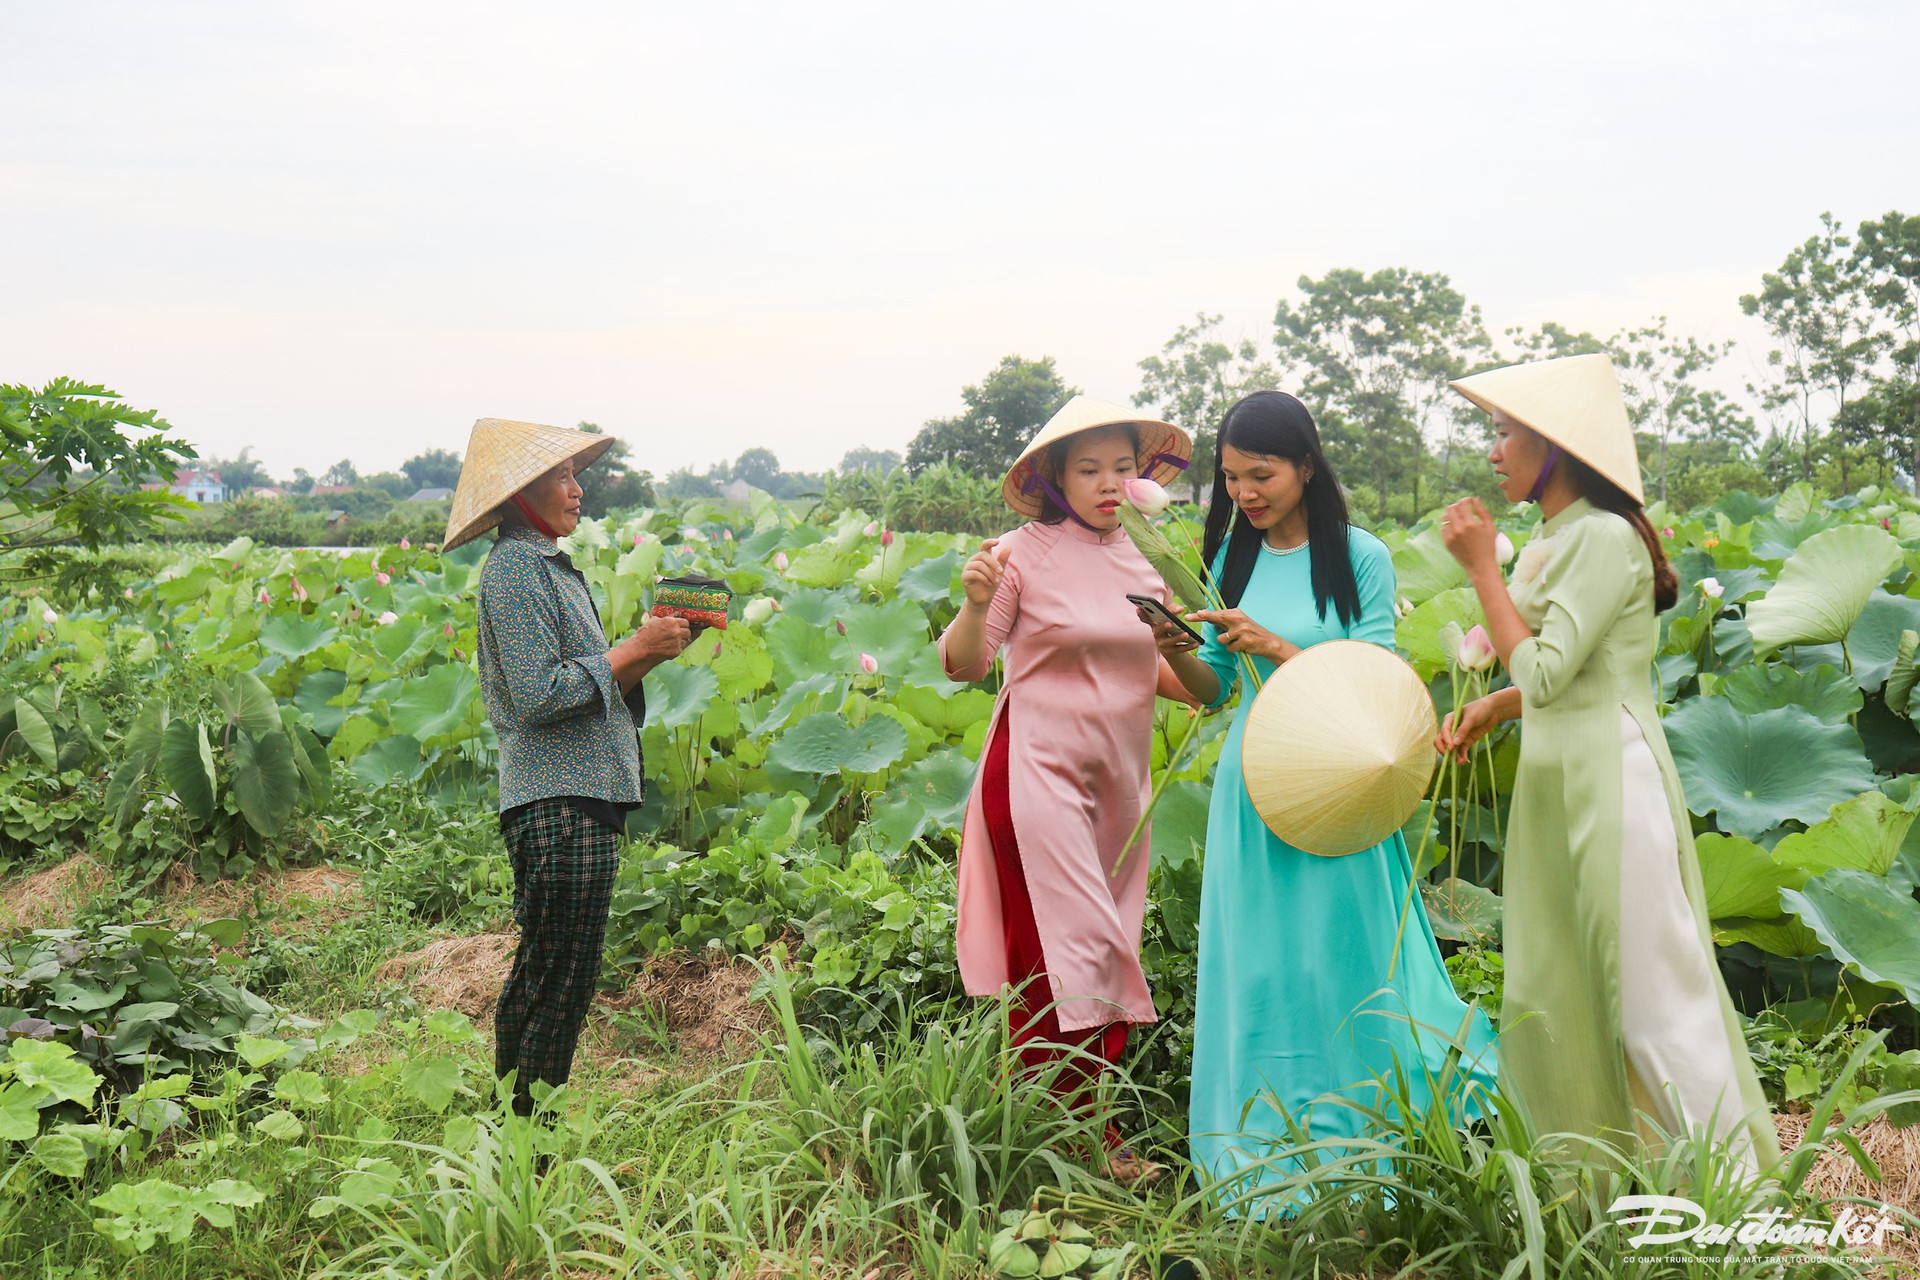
(504, 457)
(1338, 747)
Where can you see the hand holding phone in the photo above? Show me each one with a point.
(1159, 613)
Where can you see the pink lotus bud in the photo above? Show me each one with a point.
(1402, 607)
(129, 593)
(727, 534)
(1476, 650)
(873, 527)
(780, 561)
(638, 537)
(886, 537)
(1147, 497)
(1886, 522)
(458, 656)
(716, 647)
(264, 597)
(1667, 534)
(376, 562)
(692, 534)
(1711, 588)
(388, 617)
(382, 579)
(299, 592)
(405, 545)
(841, 627)
(869, 664)
(1503, 548)
(448, 630)
(49, 617)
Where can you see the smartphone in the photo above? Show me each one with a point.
(1161, 611)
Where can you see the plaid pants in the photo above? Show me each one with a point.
(564, 865)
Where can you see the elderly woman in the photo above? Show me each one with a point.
(567, 709)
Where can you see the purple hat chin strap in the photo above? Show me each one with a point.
(1546, 473)
(1037, 483)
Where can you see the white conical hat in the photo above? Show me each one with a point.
(1338, 747)
(504, 457)
(1573, 401)
(1158, 441)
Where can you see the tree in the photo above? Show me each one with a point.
(72, 460)
(1376, 352)
(1889, 251)
(1656, 379)
(1817, 308)
(759, 468)
(684, 483)
(1194, 381)
(240, 473)
(609, 485)
(1003, 411)
(302, 481)
(341, 472)
(434, 469)
(865, 459)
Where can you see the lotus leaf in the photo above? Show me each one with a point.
(1874, 642)
(315, 698)
(437, 704)
(1866, 922)
(742, 667)
(1775, 538)
(1419, 632)
(948, 712)
(894, 633)
(1786, 936)
(1755, 771)
(1423, 567)
(678, 694)
(935, 581)
(1823, 589)
(1741, 878)
(1180, 823)
(186, 762)
(1826, 693)
(1461, 911)
(1864, 833)
(824, 743)
(293, 635)
(1900, 680)
(801, 650)
(395, 759)
(1892, 742)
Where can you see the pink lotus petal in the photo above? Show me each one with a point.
(886, 538)
(1147, 496)
(1476, 649)
(869, 664)
(780, 561)
(382, 579)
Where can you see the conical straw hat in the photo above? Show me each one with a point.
(1158, 441)
(1338, 747)
(504, 457)
(1573, 401)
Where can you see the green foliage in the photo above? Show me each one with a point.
(1003, 411)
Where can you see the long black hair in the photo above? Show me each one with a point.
(1272, 424)
(1055, 471)
(1608, 496)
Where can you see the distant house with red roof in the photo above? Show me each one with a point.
(195, 486)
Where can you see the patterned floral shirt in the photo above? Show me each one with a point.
(564, 727)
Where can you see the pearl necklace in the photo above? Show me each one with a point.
(1270, 549)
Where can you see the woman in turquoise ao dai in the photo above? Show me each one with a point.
(1300, 996)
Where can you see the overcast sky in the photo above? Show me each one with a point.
(350, 229)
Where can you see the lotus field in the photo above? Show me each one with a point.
(250, 710)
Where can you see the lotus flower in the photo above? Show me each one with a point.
(727, 534)
(1147, 497)
(873, 527)
(757, 611)
(869, 664)
(1667, 534)
(382, 579)
(691, 534)
(387, 618)
(1402, 607)
(264, 597)
(886, 537)
(638, 537)
(780, 561)
(299, 592)
(49, 617)
(1711, 588)
(459, 656)
(716, 647)
(841, 627)
(1476, 649)
(448, 631)
(1503, 548)
(129, 593)
(405, 545)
